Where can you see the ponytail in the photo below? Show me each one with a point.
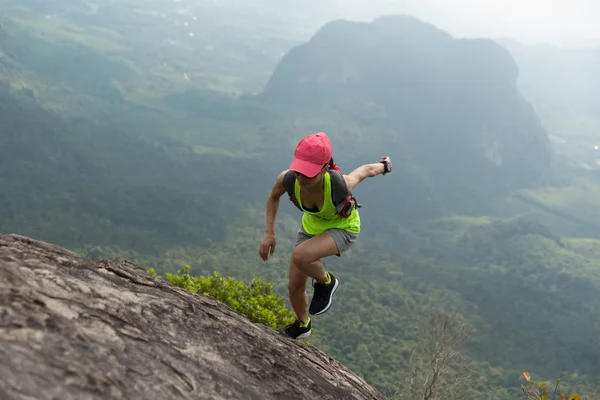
(333, 165)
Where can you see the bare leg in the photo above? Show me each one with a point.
(297, 293)
(305, 263)
(307, 256)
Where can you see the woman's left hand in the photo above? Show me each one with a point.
(386, 160)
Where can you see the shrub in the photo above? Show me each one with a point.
(256, 300)
(542, 392)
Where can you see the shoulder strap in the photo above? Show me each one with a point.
(343, 201)
(339, 190)
(289, 183)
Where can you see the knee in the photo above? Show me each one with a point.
(300, 256)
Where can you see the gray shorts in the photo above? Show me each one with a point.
(343, 239)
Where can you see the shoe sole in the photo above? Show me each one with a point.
(337, 283)
(301, 336)
(304, 335)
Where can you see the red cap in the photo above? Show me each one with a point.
(311, 154)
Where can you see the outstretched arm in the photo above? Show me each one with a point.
(367, 171)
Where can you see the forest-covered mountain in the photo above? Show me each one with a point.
(113, 152)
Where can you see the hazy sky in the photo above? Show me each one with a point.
(554, 21)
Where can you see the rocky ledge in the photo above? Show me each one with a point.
(78, 328)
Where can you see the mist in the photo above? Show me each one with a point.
(558, 22)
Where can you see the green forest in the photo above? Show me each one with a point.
(124, 136)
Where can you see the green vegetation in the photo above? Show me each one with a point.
(172, 47)
(256, 300)
(578, 202)
(543, 391)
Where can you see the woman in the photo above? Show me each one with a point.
(324, 231)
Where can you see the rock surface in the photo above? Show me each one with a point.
(77, 328)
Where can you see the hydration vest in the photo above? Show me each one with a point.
(344, 201)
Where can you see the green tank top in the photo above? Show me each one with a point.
(317, 222)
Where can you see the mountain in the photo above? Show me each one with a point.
(97, 329)
(450, 106)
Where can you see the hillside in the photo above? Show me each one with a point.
(172, 46)
(138, 190)
(77, 328)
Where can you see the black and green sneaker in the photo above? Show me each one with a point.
(323, 295)
(297, 330)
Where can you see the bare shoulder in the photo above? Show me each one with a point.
(278, 189)
(282, 175)
(347, 179)
(355, 177)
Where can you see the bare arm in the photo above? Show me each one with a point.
(366, 171)
(268, 243)
(273, 203)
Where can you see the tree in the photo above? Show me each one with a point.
(439, 367)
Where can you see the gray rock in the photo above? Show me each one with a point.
(77, 328)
